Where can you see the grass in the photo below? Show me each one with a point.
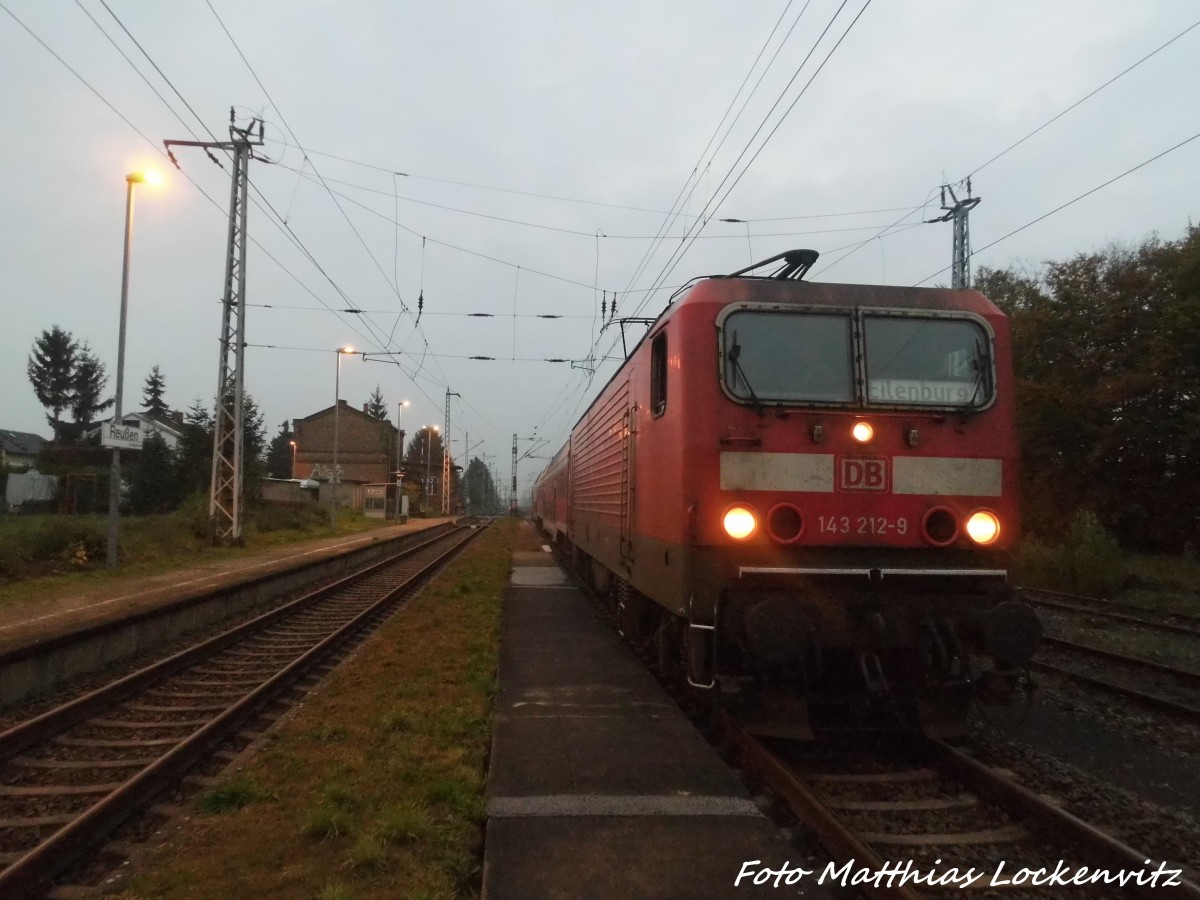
(235, 793)
(375, 788)
(41, 556)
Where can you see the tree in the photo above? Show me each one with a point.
(279, 453)
(1106, 354)
(152, 393)
(193, 461)
(376, 408)
(87, 383)
(482, 496)
(51, 368)
(154, 487)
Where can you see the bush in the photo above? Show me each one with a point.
(288, 517)
(31, 544)
(1088, 561)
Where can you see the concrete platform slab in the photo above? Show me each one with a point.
(647, 857)
(538, 575)
(599, 787)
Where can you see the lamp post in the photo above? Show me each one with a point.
(428, 445)
(334, 480)
(293, 443)
(399, 454)
(114, 479)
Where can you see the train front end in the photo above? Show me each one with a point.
(852, 481)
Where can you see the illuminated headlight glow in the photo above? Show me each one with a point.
(862, 432)
(983, 527)
(740, 522)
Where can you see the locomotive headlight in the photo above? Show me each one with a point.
(862, 431)
(740, 522)
(983, 527)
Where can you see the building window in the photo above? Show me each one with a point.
(658, 375)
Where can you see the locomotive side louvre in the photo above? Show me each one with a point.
(742, 397)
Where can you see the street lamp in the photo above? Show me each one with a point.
(293, 443)
(428, 445)
(114, 484)
(334, 480)
(399, 453)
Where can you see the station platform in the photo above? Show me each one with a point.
(56, 608)
(599, 786)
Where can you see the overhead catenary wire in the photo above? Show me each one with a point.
(159, 150)
(1063, 206)
(580, 232)
(1082, 99)
(681, 250)
(316, 171)
(259, 200)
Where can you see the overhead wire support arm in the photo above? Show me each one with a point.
(623, 321)
(227, 485)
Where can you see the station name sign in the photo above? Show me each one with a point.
(122, 437)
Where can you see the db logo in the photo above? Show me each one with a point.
(862, 474)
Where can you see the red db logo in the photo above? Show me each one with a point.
(862, 474)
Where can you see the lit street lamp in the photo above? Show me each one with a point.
(293, 443)
(114, 485)
(428, 445)
(399, 453)
(334, 480)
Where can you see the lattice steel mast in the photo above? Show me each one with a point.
(959, 212)
(225, 497)
(446, 455)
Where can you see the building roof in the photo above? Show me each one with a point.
(344, 408)
(21, 442)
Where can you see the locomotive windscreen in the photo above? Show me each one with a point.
(772, 356)
(935, 362)
(789, 356)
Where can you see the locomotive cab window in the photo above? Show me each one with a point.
(658, 375)
(916, 361)
(779, 357)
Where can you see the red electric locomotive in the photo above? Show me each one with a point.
(805, 495)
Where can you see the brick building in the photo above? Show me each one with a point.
(366, 446)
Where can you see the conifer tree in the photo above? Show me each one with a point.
(152, 393)
(51, 368)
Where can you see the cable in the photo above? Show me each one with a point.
(1054, 119)
(572, 231)
(259, 202)
(282, 119)
(679, 252)
(1069, 203)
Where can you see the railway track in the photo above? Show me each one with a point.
(929, 803)
(1154, 685)
(941, 810)
(74, 774)
(1174, 623)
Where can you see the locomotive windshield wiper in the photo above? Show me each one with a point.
(734, 355)
(980, 377)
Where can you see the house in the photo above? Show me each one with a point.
(366, 449)
(19, 449)
(168, 426)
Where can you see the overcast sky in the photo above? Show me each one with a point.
(542, 146)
